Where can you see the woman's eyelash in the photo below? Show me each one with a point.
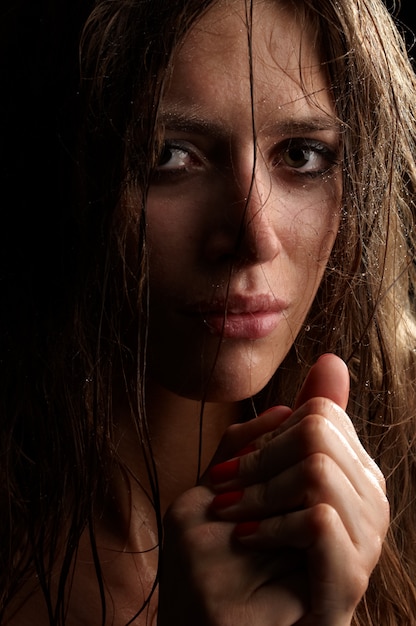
(306, 157)
(301, 157)
(177, 156)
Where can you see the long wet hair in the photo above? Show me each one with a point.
(79, 129)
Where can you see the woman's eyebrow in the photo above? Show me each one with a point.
(189, 122)
(193, 123)
(302, 125)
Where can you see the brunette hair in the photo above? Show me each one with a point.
(79, 132)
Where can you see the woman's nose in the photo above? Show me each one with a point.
(246, 225)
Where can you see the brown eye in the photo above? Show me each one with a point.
(173, 158)
(177, 159)
(296, 157)
(305, 157)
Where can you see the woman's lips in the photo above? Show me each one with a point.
(242, 325)
(241, 317)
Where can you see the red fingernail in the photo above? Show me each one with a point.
(246, 450)
(245, 529)
(269, 410)
(225, 500)
(224, 472)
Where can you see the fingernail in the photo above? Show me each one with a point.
(225, 500)
(245, 529)
(224, 472)
(280, 410)
(269, 410)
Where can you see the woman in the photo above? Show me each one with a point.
(230, 189)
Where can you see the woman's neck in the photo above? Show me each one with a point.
(183, 434)
(126, 527)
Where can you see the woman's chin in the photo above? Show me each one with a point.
(232, 374)
(225, 389)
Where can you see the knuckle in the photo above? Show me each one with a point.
(322, 520)
(318, 406)
(258, 465)
(175, 517)
(275, 526)
(316, 469)
(186, 508)
(189, 529)
(202, 539)
(247, 469)
(192, 538)
(263, 495)
(180, 507)
(266, 438)
(312, 432)
(261, 462)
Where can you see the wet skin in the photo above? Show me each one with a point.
(240, 225)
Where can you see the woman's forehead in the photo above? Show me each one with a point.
(233, 59)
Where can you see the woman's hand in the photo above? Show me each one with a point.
(296, 524)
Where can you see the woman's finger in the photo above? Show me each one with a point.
(239, 439)
(327, 378)
(315, 480)
(310, 434)
(338, 571)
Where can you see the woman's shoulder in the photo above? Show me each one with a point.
(126, 580)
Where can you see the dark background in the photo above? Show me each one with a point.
(403, 10)
(405, 16)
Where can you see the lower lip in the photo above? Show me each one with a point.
(243, 325)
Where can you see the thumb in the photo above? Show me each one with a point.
(328, 378)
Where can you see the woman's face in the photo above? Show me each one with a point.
(239, 229)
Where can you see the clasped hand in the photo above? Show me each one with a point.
(288, 529)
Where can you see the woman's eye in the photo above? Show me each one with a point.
(177, 158)
(306, 157)
(172, 158)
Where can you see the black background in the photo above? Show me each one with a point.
(405, 16)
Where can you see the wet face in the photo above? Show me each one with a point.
(243, 208)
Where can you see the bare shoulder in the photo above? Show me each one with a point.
(128, 592)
